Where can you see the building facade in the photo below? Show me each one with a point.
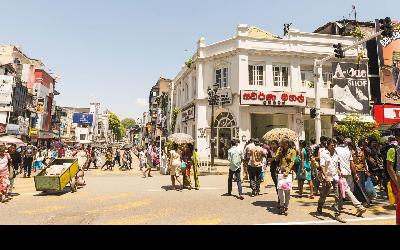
(264, 82)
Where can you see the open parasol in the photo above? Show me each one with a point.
(127, 146)
(181, 138)
(11, 140)
(279, 134)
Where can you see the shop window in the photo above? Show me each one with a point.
(281, 76)
(256, 75)
(82, 137)
(194, 86)
(221, 77)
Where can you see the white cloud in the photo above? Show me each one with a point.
(142, 102)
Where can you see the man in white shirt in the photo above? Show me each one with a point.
(329, 166)
(348, 172)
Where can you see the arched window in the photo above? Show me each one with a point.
(225, 120)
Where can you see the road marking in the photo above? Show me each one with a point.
(113, 197)
(328, 221)
(120, 207)
(44, 210)
(159, 190)
(204, 221)
(143, 218)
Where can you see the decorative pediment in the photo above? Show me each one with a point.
(255, 32)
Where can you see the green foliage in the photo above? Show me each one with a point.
(189, 63)
(353, 127)
(128, 123)
(175, 112)
(116, 126)
(358, 33)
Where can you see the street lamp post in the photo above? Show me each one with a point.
(212, 99)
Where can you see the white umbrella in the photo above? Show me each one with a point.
(279, 134)
(11, 140)
(180, 138)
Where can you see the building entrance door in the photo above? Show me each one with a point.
(224, 127)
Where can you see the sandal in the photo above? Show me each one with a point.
(311, 197)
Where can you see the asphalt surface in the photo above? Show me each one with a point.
(126, 198)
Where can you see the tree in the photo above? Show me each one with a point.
(175, 112)
(128, 123)
(355, 128)
(115, 126)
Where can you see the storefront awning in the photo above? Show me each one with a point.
(365, 118)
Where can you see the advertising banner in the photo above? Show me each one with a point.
(5, 90)
(13, 129)
(254, 97)
(389, 57)
(84, 119)
(387, 114)
(351, 88)
(188, 113)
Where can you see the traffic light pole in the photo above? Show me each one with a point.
(318, 81)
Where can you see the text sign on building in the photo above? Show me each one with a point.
(254, 97)
(188, 113)
(387, 114)
(84, 119)
(351, 88)
(224, 97)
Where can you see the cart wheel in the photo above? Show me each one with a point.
(74, 186)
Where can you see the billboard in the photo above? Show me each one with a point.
(5, 90)
(84, 119)
(351, 88)
(389, 57)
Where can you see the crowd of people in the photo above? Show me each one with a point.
(348, 170)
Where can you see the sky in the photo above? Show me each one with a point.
(113, 52)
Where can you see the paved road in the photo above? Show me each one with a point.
(126, 198)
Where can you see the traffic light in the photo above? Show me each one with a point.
(339, 53)
(386, 27)
(313, 113)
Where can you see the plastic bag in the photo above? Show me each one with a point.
(369, 187)
(342, 187)
(285, 183)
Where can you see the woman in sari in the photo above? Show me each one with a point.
(5, 163)
(196, 172)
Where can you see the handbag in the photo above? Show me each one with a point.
(285, 183)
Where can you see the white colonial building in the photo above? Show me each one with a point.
(265, 82)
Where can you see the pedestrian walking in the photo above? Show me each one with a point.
(361, 168)
(109, 160)
(247, 158)
(348, 173)
(235, 157)
(117, 158)
(329, 165)
(142, 159)
(28, 162)
(393, 170)
(16, 164)
(187, 155)
(175, 167)
(5, 164)
(196, 173)
(257, 155)
(274, 164)
(304, 172)
(153, 156)
(287, 157)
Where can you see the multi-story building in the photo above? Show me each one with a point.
(264, 82)
(158, 109)
(27, 77)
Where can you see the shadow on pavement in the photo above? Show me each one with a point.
(272, 206)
